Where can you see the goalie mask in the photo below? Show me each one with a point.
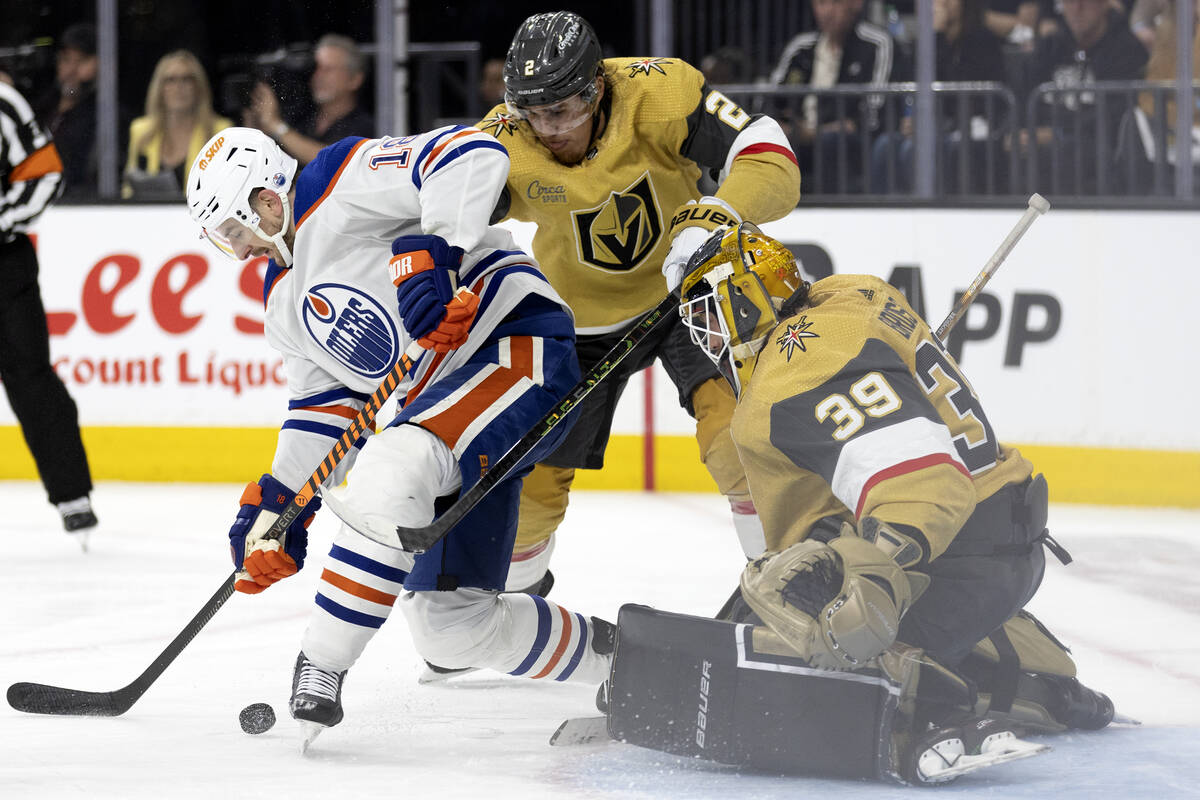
(227, 170)
(732, 295)
(550, 72)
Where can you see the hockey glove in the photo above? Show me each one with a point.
(425, 271)
(261, 561)
(838, 604)
(691, 225)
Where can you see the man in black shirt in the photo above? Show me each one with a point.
(1096, 44)
(845, 49)
(339, 73)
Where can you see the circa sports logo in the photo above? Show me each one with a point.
(621, 231)
(352, 327)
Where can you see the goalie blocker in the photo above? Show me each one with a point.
(736, 694)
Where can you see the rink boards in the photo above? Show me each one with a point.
(1079, 350)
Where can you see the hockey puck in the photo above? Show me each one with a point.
(257, 718)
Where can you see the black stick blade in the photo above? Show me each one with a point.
(38, 698)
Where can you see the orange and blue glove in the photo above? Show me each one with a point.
(424, 270)
(261, 561)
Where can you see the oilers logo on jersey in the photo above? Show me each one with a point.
(352, 327)
(623, 230)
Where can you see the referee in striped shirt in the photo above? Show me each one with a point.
(31, 179)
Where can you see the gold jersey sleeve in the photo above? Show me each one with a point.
(602, 224)
(855, 410)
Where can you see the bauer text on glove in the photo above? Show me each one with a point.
(691, 225)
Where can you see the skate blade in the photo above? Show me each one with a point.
(1121, 719)
(428, 676)
(581, 730)
(1014, 750)
(309, 731)
(82, 537)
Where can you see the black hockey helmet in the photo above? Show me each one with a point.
(553, 56)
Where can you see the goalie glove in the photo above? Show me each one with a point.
(424, 270)
(261, 561)
(691, 225)
(838, 604)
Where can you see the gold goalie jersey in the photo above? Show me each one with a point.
(603, 223)
(855, 409)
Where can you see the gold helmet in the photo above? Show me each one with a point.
(732, 295)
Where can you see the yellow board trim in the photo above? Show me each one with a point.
(1096, 475)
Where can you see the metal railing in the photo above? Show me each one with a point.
(974, 120)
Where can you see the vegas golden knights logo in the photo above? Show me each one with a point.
(622, 231)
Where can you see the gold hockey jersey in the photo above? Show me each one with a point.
(855, 409)
(602, 224)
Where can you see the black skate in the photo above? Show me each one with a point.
(944, 754)
(432, 673)
(316, 698)
(78, 519)
(1075, 705)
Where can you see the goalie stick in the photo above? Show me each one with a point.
(418, 540)
(39, 698)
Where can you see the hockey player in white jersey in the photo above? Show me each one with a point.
(378, 242)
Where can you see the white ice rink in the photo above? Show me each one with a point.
(1129, 606)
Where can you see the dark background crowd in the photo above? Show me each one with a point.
(1031, 118)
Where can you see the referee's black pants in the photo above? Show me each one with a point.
(40, 401)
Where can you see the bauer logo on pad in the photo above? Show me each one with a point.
(352, 327)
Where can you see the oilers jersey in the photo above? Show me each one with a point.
(333, 313)
(855, 409)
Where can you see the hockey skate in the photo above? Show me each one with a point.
(78, 519)
(944, 754)
(1075, 705)
(432, 673)
(316, 699)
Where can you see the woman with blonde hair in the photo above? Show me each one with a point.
(179, 120)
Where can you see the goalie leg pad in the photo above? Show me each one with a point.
(738, 695)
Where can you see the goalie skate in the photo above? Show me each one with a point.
(947, 753)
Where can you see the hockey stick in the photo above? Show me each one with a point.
(39, 698)
(1038, 205)
(418, 540)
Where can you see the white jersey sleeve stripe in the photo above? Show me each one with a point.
(888, 452)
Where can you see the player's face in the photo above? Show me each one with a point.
(565, 127)
(236, 240)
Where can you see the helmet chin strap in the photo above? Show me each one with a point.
(284, 251)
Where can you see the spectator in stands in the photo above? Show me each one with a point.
(179, 120)
(1162, 68)
(491, 84)
(1017, 21)
(845, 49)
(966, 50)
(339, 74)
(1095, 44)
(725, 65)
(69, 110)
(1145, 17)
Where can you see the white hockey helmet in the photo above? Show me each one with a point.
(230, 166)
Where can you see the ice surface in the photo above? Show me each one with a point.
(1129, 606)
